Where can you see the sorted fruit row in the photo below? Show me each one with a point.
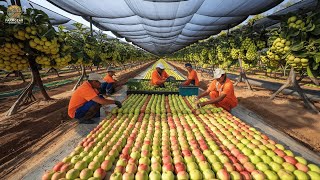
(168, 137)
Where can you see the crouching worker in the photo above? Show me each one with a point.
(192, 76)
(221, 92)
(159, 76)
(85, 102)
(108, 86)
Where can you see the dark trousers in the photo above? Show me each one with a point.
(86, 112)
(107, 88)
(193, 82)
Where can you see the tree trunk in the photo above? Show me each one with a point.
(26, 96)
(21, 76)
(292, 82)
(284, 71)
(83, 74)
(54, 70)
(9, 74)
(301, 77)
(243, 76)
(37, 78)
(16, 74)
(315, 80)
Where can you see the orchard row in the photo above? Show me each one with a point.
(168, 69)
(294, 43)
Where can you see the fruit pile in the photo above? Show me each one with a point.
(168, 137)
(234, 53)
(168, 69)
(248, 49)
(261, 44)
(146, 86)
(12, 57)
(44, 45)
(297, 61)
(252, 52)
(279, 48)
(294, 22)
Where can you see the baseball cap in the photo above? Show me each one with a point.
(160, 66)
(95, 77)
(188, 65)
(218, 73)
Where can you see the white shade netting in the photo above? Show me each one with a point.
(165, 26)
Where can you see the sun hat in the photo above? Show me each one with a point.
(160, 66)
(218, 73)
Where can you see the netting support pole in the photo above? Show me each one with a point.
(292, 82)
(91, 31)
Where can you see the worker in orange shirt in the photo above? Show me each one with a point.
(221, 92)
(108, 86)
(192, 76)
(85, 102)
(159, 76)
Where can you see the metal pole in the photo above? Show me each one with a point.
(91, 26)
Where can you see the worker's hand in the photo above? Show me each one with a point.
(201, 104)
(118, 103)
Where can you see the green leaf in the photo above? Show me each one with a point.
(316, 57)
(309, 72)
(311, 28)
(317, 41)
(316, 30)
(297, 47)
(293, 33)
(315, 66)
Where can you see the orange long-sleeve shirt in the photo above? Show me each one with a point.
(156, 77)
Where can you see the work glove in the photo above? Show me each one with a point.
(118, 103)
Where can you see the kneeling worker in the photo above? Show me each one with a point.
(85, 102)
(192, 76)
(221, 92)
(108, 86)
(159, 76)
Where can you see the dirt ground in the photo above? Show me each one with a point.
(12, 83)
(27, 132)
(279, 79)
(286, 113)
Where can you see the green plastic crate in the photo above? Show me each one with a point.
(189, 90)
